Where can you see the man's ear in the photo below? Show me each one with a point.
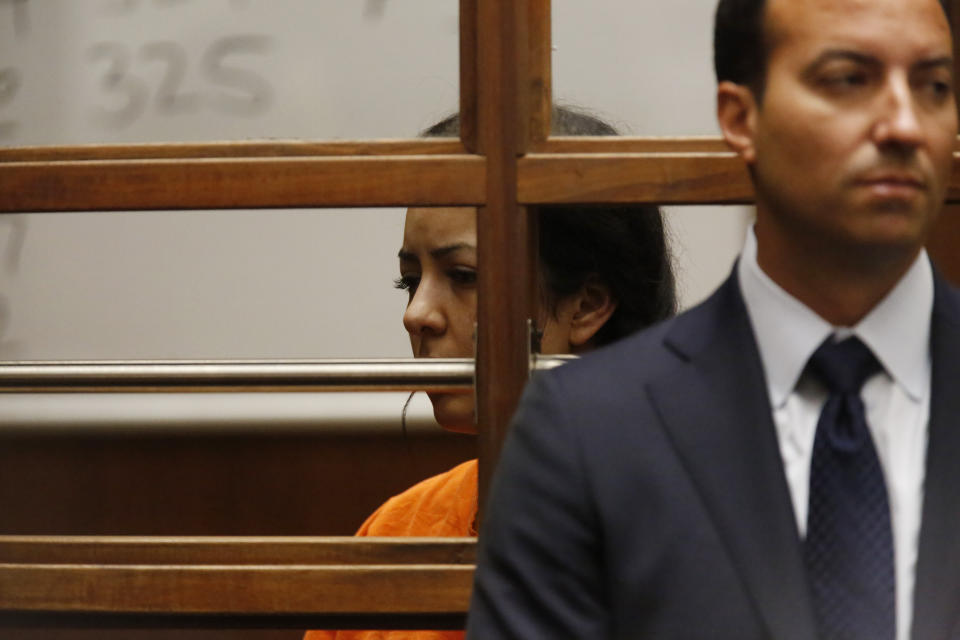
(737, 116)
(592, 307)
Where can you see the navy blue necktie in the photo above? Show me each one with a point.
(848, 550)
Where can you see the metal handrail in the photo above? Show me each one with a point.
(393, 374)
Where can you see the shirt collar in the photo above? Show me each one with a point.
(897, 330)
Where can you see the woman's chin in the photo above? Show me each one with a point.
(454, 411)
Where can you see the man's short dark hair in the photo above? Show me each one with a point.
(739, 43)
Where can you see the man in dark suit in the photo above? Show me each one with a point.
(782, 461)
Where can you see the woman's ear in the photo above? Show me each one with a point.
(591, 308)
(737, 117)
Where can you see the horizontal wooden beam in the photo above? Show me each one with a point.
(109, 620)
(662, 178)
(346, 148)
(243, 149)
(275, 175)
(235, 550)
(229, 183)
(631, 144)
(223, 590)
(298, 582)
(660, 171)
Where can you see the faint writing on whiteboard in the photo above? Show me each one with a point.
(16, 232)
(128, 6)
(16, 227)
(19, 12)
(10, 81)
(225, 85)
(374, 9)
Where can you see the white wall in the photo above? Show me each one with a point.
(278, 283)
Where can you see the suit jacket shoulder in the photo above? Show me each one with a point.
(631, 491)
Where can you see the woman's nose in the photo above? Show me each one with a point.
(424, 314)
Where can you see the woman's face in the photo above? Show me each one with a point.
(438, 268)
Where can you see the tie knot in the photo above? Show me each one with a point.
(843, 366)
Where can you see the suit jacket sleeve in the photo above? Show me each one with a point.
(540, 563)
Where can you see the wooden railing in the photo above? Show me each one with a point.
(303, 583)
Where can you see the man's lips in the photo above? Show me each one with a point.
(893, 179)
(893, 184)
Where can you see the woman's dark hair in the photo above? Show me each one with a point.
(623, 246)
(564, 121)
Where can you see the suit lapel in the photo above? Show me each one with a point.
(716, 411)
(937, 592)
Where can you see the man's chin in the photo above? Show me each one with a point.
(896, 229)
(894, 223)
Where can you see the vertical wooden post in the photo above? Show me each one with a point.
(468, 75)
(952, 8)
(503, 232)
(539, 90)
(944, 241)
(540, 85)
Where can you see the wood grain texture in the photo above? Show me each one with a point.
(241, 590)
(952, 8)
(944, 240)
(111, 185)
(943, 243)
(539, 76)
(953, 192)
(305, 148)
(631, 144)
(503, 232)
(230, 149)
(234, 550)
(666, 170)
(401, 147)
(231, 581)
(719, 178)
(660, 171)
(275, 482)
(469, 76)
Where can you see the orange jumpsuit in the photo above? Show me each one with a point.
(444, 505)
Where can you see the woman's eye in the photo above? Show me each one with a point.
(407, 283)
(463, 276)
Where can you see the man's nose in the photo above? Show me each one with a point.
(898, 122)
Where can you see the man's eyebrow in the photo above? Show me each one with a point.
(438, 252)
(863, 58)
(942, 61)
(842, 54)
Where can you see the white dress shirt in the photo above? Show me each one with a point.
(897, 399)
